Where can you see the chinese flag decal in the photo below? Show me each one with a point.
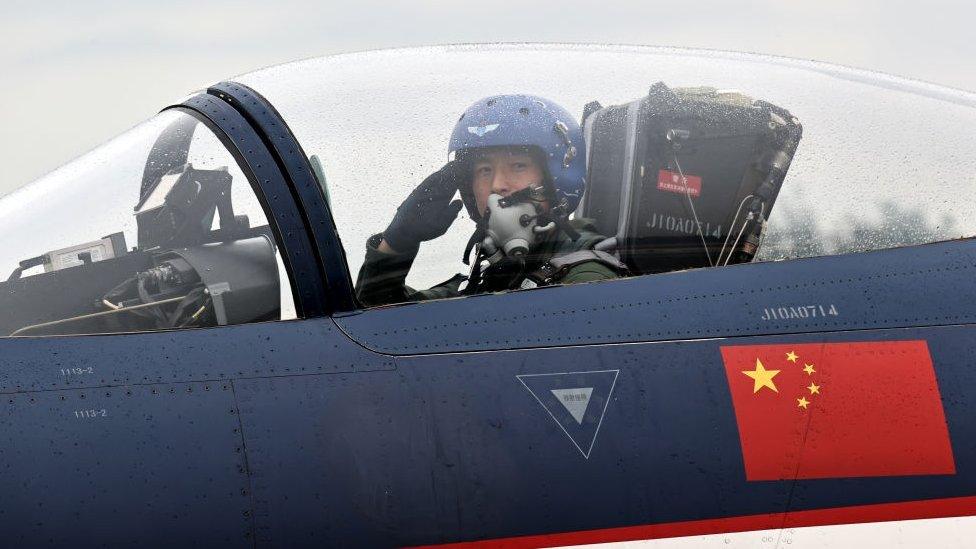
(838, 410)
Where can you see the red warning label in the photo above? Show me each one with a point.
(673, 182)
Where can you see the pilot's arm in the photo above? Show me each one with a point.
(426, 214)
(382, 278)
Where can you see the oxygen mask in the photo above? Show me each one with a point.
(514, 224)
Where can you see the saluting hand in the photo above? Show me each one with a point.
(427, 212)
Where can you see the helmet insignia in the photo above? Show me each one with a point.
(480, 131)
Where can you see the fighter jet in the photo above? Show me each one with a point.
(779, 357)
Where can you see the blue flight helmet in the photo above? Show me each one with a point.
(527, 121)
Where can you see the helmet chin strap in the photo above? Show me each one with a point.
(480, 231)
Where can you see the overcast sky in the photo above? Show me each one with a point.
(77, 73)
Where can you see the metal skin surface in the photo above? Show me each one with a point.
(411, 425)
(452, 447)
(927, 285)
(162, 459)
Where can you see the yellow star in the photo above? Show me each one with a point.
(808, 368)
(802, 403)
(814, 389)
(762, 377)
(791, 356)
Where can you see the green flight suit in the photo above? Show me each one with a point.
(382, 278)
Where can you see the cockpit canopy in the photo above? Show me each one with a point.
(883, 162)
(157, 229)
(165, 227)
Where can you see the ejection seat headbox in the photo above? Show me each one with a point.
(685, 177)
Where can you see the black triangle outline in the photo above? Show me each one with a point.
(603, 413)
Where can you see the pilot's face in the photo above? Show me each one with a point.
(503, 171)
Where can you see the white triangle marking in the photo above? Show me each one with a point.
(575, 401)
(606, 402)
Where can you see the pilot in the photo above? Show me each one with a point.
(519, 165)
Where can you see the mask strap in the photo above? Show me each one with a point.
(479, 234)
(560, 217)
